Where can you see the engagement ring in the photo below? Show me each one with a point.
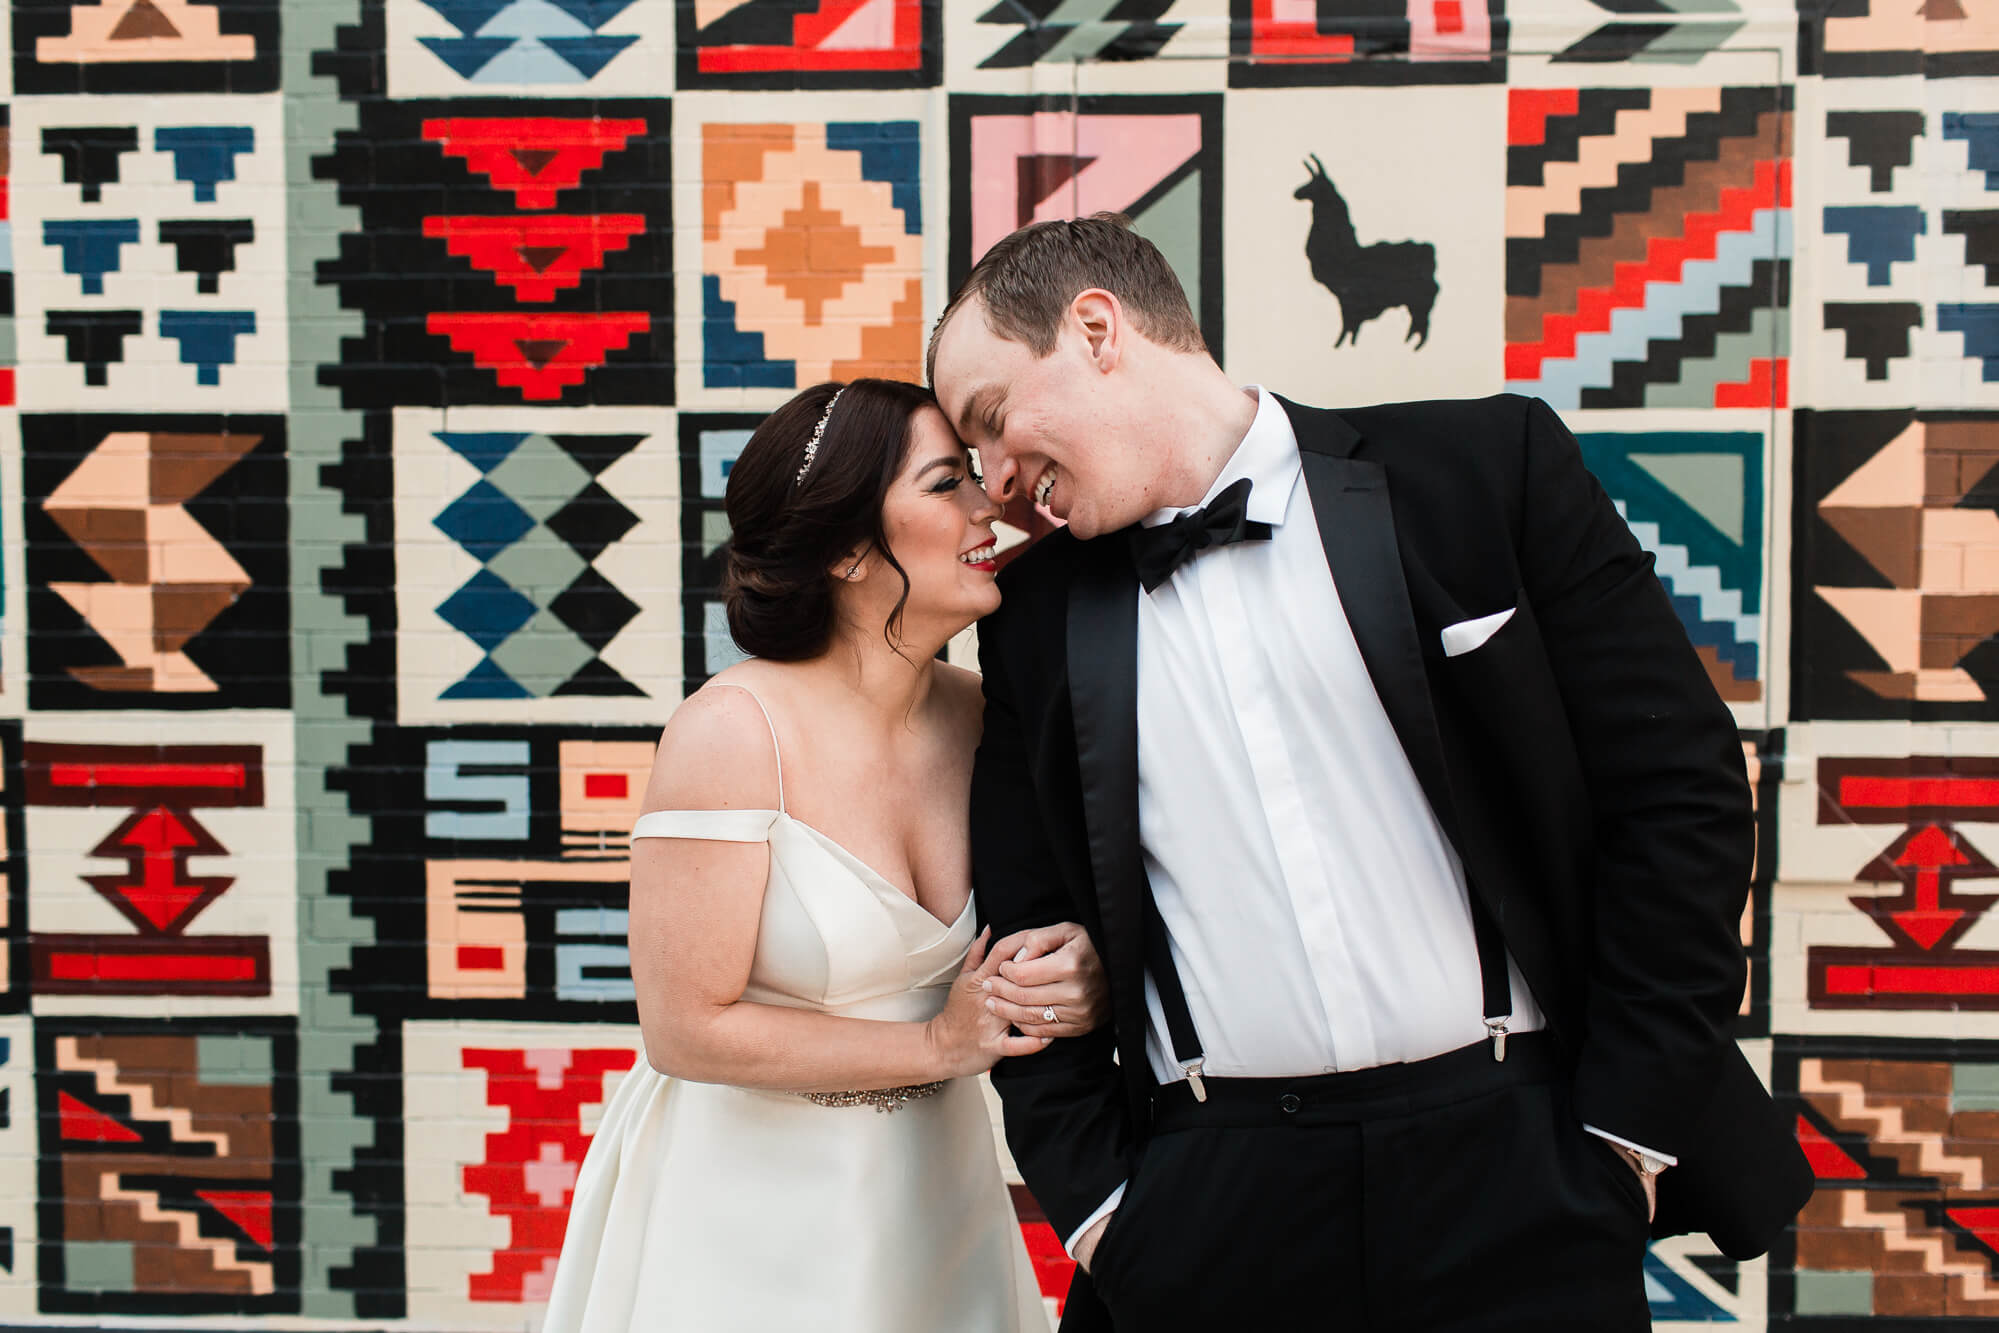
(1048, 1014)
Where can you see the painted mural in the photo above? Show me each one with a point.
(370, 376)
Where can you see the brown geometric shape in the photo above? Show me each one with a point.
(118, 679)
(183, 610)
(113, 537)
(535, 160)
(141, 21)
(1888, 539)
(1973, 616)
(539, 257)
(540, 351)
(180, 467)
(1722, 676)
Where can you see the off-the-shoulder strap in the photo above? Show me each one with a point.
(776, 753)
(716, 825)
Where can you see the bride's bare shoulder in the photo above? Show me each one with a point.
(715, 754)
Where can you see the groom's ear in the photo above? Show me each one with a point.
(1099, 317)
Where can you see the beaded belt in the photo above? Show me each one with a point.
(882, 1099)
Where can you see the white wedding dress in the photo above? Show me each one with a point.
(707, 1208)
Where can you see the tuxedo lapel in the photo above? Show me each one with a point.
(1103, 688)
(1357, 530)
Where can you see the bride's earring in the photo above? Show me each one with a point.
(853, 572)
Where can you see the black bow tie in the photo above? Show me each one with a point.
(1159, 551)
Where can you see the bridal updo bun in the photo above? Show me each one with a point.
(786, 534)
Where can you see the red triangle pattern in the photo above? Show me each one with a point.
(80, 1123)
(515, 249)
(1829, 1160)
(540, 355)
(250, 1210)
(534, 156)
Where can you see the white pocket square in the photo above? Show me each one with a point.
(1466, 635)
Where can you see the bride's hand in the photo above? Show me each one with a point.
(969, 1036)
(1056, 968)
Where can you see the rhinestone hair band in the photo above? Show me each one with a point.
(812, 445)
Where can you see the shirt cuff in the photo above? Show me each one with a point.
(1635, 1147)
(1104, 1209)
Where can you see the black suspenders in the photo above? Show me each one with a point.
(1494, 982)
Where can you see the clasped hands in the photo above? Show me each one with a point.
(1054, 969)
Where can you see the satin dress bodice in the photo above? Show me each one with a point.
(714, 1208)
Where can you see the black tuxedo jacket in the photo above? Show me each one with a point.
(1580, 762)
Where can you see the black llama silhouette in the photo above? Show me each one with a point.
(1365, 279)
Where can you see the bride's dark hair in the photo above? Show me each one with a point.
(786, 534)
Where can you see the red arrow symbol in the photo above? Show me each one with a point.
(156, 891)
(1928, 921)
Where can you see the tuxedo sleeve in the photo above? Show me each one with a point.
(1674, 833)
(1067, 1121)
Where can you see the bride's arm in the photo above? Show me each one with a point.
(695, 910)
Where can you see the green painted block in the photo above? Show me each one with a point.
(235, 1059)
(1835, 1293)
(97, 1265)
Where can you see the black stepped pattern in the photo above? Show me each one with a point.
(1877, 140)
(1741, 111)
(1140, 37)
(1980, 229)
(365, 581)
(89, 154)
(1562, 136)
(1876, 332)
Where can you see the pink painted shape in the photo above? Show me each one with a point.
(1133, 154)
(869, 28)
(550, 1065)
(1473, 40)
(1294, 11)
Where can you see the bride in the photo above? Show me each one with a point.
(805, 1145)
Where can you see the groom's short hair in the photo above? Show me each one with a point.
(1028, 279)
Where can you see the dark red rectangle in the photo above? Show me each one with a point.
(183, 776)
(139, 965)
(480, 958)
(606, 786)
(1903, 793)
(1840, 978)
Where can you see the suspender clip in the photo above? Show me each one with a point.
(1497, 1028)
(1192, 1069)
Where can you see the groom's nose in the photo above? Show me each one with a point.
(1001, 473)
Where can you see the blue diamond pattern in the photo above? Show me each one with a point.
(487, 681)
(484, 520)
(483, 449)
(486, 610)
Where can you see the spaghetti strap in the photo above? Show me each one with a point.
(776, 753)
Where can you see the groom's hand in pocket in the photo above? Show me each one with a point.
(1086, 1244)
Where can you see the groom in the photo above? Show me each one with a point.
(1411, 833)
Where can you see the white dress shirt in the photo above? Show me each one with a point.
(1317, 914)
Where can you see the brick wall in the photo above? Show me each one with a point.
(373, 368)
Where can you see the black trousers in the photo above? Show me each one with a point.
(1455, 1195)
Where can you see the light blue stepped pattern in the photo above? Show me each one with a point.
(1712, 613)
(529, 41)
(1663, 316)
